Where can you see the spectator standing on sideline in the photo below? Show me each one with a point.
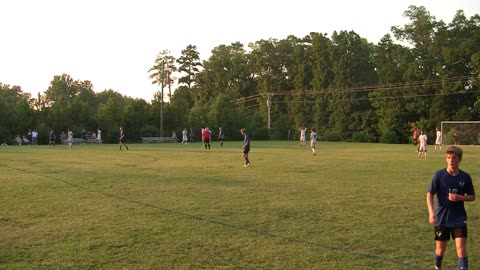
(438, 140)
(63, 137)
(34, 137)
(455, 139)
(29, 136)
(246, 146)
(192, 135)
(452, 188)
(70, 138)
(303, 133)
(84, 136)
(220, 135)
(99, 135)
(122, 139)
(313, 141)
(184, 136)
(422, 144)
(18, 140)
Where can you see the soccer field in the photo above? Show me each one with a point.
(175, 206)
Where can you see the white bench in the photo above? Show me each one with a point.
(80, 140)
(158, 140)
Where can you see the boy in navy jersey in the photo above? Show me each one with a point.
(246, 146)
(452, 188)
(122, 139)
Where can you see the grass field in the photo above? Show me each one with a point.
(174, 206)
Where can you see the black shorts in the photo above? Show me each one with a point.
(246, 150)
(444, 233)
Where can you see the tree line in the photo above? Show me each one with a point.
(346, 87)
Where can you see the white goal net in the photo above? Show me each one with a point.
(460, 132)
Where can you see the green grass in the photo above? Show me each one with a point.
(174, 206)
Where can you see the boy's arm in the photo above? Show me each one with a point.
(431, 210)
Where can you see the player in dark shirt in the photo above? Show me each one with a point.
(452, 188)
(246, 146)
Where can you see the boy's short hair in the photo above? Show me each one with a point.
(455, 150)
(243, 130)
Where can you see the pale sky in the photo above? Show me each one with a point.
(113, 43)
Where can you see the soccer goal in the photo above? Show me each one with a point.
(460, 132)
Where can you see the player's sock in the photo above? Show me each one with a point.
(463, 263)
(438, 261)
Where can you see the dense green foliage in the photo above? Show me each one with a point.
(343, 85)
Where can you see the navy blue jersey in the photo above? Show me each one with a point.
(246, 142)
(122, 136)
(448, 213)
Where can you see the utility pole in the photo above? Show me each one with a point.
(269, 104)
(161, 102)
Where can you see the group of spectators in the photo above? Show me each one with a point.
(31, 138)
(86, 136)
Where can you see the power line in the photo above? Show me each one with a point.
(371, 88)
(378, 98)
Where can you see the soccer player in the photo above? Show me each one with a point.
(122, 138)
(52, 138)
(438, 139)
(220, 135)
(422, 144)
(70, 138)
(415, 134)
(452, 188)
(313, 141)
(303, 131)
(246, 146)
(206, 136)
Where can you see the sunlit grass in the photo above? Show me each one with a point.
(174, 206)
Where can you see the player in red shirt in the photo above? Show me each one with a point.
(207, 136)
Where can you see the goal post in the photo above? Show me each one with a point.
(463, 132)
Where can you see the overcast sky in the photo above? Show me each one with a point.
(113, 43)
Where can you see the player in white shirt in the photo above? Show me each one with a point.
(303, 131)
(184, 136)
(70, 138)
(313, 141)
(422, 141)
(438, 140)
